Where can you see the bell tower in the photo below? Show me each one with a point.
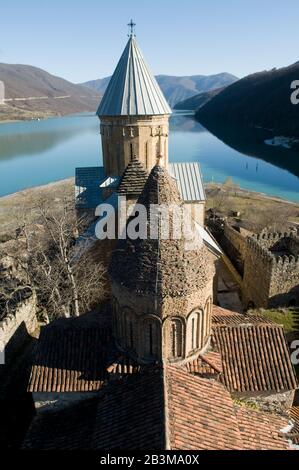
(134, 114)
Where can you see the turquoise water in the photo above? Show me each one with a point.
(35, 153)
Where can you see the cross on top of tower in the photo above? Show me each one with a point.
(131, 26)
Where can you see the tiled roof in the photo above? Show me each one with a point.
(222, 316)
(223, 312)
(255, 357)
(155, 409)
(127, 415)
(260, 430)
(130, 416)
(64, 429)
(294, 415)
(64, 363)
(201, 414)
(133, 90)
(208, 363)
(72, 354)
(77, 355)
(133, 179)
(189, 181)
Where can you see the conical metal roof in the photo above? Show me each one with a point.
(133, 90)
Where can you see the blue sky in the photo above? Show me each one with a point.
(82, 40)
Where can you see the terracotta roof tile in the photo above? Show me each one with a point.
(201, 414)
(221, 316)
(70, 360)
(261, 430)
(158, 409)
(208, 364)
(294, 415)
(255, 357)
(130, 415)
(64, 429)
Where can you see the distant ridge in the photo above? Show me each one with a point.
(31, 92)
(197, 101)
(176, 88)
(259, 100)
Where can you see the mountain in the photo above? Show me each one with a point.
(175, 88)
(32, 92)
(197, 101)
(259, 100)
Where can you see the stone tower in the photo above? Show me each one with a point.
(162, 292)
(273, 259)
(134, 115)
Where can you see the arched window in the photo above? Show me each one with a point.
(128, 322)
(193, 334)
(150, 338)
(193, 331)
(151, 333)
(176, 338)
(151, 349)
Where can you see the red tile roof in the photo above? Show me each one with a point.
(255, 357)
(201, 414)
(207, 364)
(64, 363)
(131, 414)
(154, 409)
(260, 430)
(294, 415)
(221, 316)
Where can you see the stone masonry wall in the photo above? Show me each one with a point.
(133, 315)
(271, 277)
(236, 238)
(16, 326)
(257, 276)
(125, 137)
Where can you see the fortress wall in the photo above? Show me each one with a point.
(236, 239)
(257, 274)
(271, 281)
(15, 327)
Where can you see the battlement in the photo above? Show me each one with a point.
(263, 243)
(276, 236)
(254, 245)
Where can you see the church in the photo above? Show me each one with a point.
(160, 366)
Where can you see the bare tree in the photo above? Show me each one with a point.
(59, 266)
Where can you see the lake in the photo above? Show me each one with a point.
(34, 153)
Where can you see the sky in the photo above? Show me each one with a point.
(83, 40)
